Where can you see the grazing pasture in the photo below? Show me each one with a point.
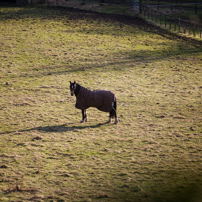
(153, 154)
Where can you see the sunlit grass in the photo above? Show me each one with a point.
(153, 154)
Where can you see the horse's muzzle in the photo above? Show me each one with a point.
(72, 93)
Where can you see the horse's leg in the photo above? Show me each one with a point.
(110, 116)
(116, 119)
(84, 116)
(113, 114)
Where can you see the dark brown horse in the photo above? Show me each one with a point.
(101, 99)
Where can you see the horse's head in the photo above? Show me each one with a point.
(72, 87)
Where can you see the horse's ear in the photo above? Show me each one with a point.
(74, 82)
(70, 82)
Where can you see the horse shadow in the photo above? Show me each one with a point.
(66, 127)
(58, 128)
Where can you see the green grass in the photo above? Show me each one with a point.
(153, 154)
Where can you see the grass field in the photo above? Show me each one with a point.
(153, 154)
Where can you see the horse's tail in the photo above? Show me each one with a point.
(114, 106)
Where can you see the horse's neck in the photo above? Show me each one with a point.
(82, 91)
(78, 87)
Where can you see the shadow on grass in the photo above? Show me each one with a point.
(75, 14)
(65, 127)
(186, 193)
(58, 128)
(128, 58)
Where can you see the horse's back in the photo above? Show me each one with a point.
(102, 100)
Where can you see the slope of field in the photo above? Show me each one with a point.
(153, 154)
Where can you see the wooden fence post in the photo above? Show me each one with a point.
(140, 6)
(160, 18)
(179, 24)
(194, 29)
(156, 16)
(175, 27)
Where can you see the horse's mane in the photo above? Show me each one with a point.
(77, 89)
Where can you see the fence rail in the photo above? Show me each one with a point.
(136, 5)
(177, 24)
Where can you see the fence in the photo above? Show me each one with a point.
(177, 24)
(186, 6)
(136, 5)
(105, 1)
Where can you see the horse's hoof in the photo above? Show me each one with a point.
(109, 121)
(84, 120)
(116, 121)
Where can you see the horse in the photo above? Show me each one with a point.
(103, 100)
